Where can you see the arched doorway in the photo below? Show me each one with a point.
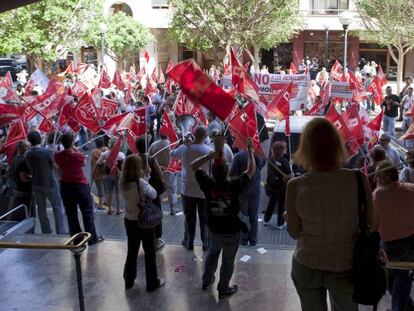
(133, 59)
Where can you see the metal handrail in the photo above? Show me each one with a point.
(68, 245)
(26, 213)
(76, 249)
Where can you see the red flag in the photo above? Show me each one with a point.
(246, 66)
(78, 89)
(315, 109)
(167, 129)
(376, 89)
(174, 166)
(154, 75)
(375, 123)
(7, 80)
(51, 102)
(337, 120)
(10, 113)
(351, 118)
(117, 80)
(113, 155)
(280, 107)
(16, 132)
(86, 113)
(146, 56)
(133, 121)
(129, 94)
(104, 81)
(169, 66)
(108, 108)
(131, 139)
(161, 77)
(140, 74)
(7, 94)
(29, 87)
(244, 126)
(198, 87)
(46, 126)
(336, 70)
(382, 77)
(293, 70)
(150, 88)
(241, 80)
(168, 85)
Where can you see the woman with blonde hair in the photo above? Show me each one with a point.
(322, 214)
(135, 189)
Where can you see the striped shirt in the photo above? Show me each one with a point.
(322, 212)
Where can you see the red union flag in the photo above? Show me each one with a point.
(108, 108)
(161, 77)
(376, 89)
(85, 113)
(117, 80)
(199, 88)
(382, 77)
(113, 155)
(131, 138)
(337, 120)
(293, 70)
(78, 89)
(280, 107)
(167, 129)
(244, 126)
(336, 70)
(16, 132)
(7, 94)
(10, 113)
(146, 56)
(132, 121)
(46, 126)
(104, 81)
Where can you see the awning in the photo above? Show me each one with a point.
(10, 5)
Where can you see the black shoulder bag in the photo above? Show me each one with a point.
(368, 273)
(150, 215)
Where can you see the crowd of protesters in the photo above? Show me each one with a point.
(221, 185)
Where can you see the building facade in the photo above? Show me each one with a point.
(321, 38)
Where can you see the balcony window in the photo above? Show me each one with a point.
(160, 4)
(329, 7)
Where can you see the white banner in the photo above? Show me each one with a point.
(40, 78)
(270, 84)
(341, 90)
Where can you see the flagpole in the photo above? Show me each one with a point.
(264, 125)
(290, 152)
(161, 150)
(266, 158)
(389, 167)
(89, 141)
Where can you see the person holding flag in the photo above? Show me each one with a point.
(223, 207)
(111, 161)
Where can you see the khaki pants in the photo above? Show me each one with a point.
(313, 285)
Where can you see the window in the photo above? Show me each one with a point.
(160, 4)
(329, 7)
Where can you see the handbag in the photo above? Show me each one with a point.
(150, 215)
(368, 272)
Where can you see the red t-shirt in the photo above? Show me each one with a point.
(70, 163)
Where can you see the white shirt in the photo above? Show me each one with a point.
(187, 154)
(104, 156)
(132, 197)
(408, 101)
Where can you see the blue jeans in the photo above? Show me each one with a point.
(388, 125)
(50, 193)
(229, 244)
(249, 207)
(74, 195)
(399, 281)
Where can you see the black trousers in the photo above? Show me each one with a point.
(135, 236)
(276, 199)
(74, 195)
(158, 228)
(191, 207)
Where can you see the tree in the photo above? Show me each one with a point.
(215, 26)
(37, 29)
(389, 23)
(125, 36)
